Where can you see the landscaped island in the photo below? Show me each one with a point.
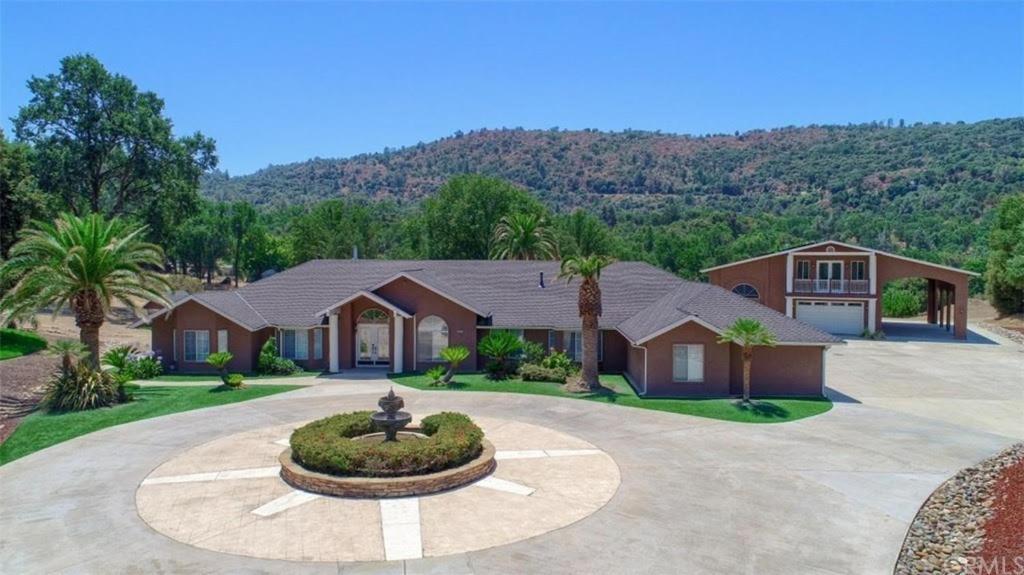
(347, 454)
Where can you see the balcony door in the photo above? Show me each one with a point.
(830, 276)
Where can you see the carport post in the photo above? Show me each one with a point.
(931, 302)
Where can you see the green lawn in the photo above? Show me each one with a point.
(762, 410)
(189, 377)
(41, 429)
(16, 343)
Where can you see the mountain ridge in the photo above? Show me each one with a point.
(825, 167)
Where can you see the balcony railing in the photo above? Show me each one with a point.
(831, 286)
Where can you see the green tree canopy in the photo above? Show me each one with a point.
(103, 146)
(459, 220)
(20, 197)
(1005, 273)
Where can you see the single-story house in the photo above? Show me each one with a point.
(657, 329)
(837, 287)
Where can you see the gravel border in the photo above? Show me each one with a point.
(947, 532)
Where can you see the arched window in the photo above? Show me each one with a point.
(372, 315)
(747, 291)
(431, 338)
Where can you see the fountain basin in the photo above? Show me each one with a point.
(384, 487)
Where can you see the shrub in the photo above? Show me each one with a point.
(220, 361)
(533, 352)
(500, 346)
(79, 389)
(534, 372)
(270, 362)
(436, 375)
(901, 302)
(145, 367)
(118, 357)
(454, 355)
(325, 446)
(127, 363)
(234, 380)
(559, 360)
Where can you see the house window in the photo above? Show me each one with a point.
(803, 270)
(688, 363)
(197, 345)
(746, 290)
(857, 270)
(295, 343)
(431, 338)
(552, 340)
(318, 344)
(222, 340)
(573, 341)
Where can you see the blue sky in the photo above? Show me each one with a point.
(276, 83)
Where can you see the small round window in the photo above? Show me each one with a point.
(747, 291)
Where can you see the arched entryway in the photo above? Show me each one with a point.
(373, 343)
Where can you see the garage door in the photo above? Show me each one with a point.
(833, 316)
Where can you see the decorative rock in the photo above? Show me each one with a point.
(946, 532)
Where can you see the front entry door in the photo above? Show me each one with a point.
(372, 344)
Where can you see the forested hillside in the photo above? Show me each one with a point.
(937, 166)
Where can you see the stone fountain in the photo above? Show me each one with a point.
(389, 418)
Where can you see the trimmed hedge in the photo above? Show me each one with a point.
(326, 446)
(531, 372)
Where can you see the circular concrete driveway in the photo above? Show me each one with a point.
(831, 494)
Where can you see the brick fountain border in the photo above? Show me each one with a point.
(383, 487)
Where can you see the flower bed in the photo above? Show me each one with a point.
(325, 446)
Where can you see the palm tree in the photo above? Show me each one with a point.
(523, 237)
(85, 262)
(748, 334)
(69, 351)
(454, 355)
(589, 269)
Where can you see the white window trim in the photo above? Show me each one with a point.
(809, 274)
(435, 353)
(842, 269)
(863, 266)
(197, 358)
(299, 335)
(703, 362)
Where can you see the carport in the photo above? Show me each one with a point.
(946, 302)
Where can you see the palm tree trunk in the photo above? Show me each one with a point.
(89, 334)
(589, 375)
(748, 356)
(89, 316)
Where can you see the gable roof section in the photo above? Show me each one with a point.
(716, 309)
(230, 304)
(845, 245)
(370, 296)
(431, 282)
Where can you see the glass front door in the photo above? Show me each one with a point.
(372, 344)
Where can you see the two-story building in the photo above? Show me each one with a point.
(837, 287)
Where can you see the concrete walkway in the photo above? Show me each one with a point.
(831, 494)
